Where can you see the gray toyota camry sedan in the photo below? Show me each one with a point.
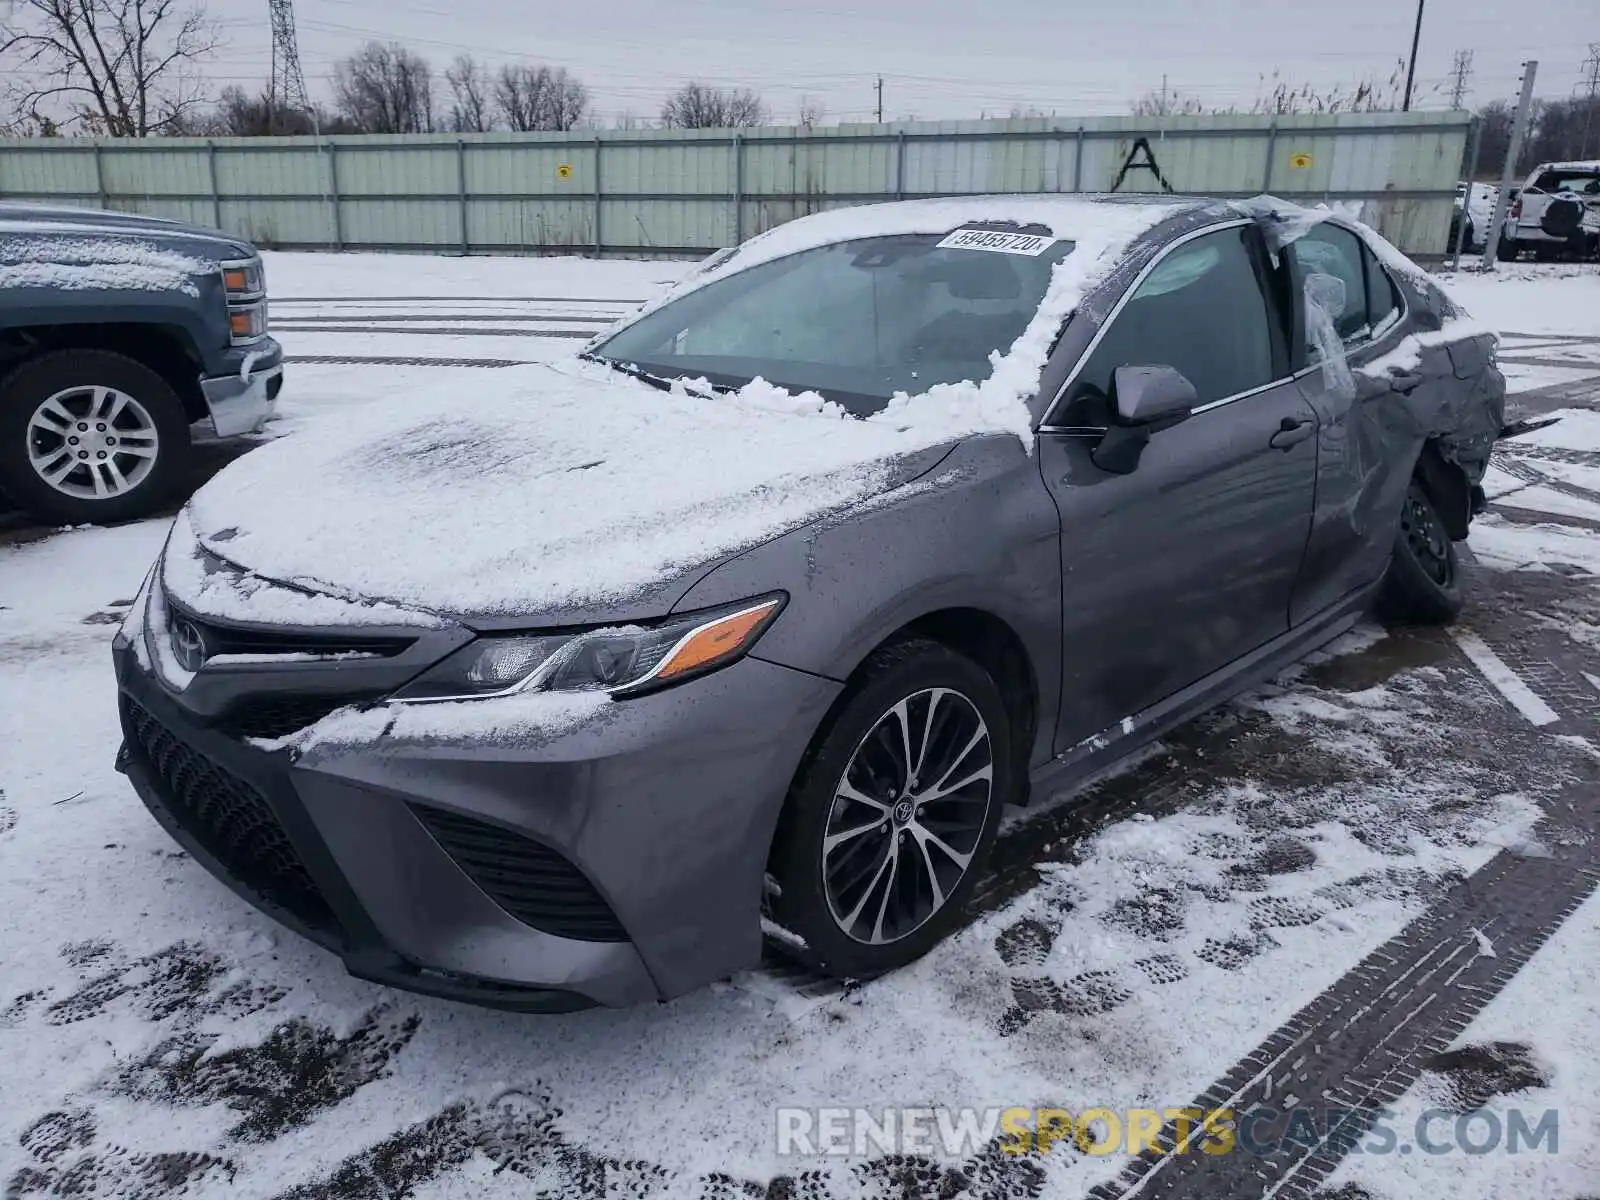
(748, 621)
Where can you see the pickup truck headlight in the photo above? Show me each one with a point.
(245, 283)
(624, 662)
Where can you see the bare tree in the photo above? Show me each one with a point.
(118, 67)
(243, 114)
(811, 113)
(469, 89)
(540, 98)
(696, 106)
(1167, 104)
(385, 89)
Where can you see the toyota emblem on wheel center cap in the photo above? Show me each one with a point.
(188, 644)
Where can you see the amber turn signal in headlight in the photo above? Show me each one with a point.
(246, 324)
(716, 640)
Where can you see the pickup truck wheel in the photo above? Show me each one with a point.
(90, 436)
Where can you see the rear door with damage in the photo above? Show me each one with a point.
(1401, 384)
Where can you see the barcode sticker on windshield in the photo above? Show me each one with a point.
(997, 241)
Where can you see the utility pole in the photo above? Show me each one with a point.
(1460, 72)
(1411, 66)
(880, 99)
(1519, 129)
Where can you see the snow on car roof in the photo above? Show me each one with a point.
(1100, 220)
(1582, 164)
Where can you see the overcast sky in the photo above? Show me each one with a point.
(940, 58)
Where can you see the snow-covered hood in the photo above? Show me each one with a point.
(59, 221)
(564, 493)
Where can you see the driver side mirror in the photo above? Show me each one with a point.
(1148, 399)
(1149, 394)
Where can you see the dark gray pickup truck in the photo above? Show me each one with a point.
(117, 333)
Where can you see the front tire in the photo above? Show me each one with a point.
(90, 436)
(1506, 251)
(892, 815)
(1423, 583)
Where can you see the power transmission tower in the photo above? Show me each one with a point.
(1589, 88)
(287, 91)
(1460, 72)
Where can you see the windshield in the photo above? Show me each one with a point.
(856, 321)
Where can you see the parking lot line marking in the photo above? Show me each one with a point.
(1506, 681)
(1594, 680)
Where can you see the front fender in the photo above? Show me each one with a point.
(980, 532)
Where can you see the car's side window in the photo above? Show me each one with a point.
(1383, 298)
(1201, 310)
(1331, 250)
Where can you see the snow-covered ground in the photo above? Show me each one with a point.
(159, 1036)
(1530, 1052)
(1532, 298)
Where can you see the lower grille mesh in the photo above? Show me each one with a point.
(529, 880)
(228, 817)
(270, 715)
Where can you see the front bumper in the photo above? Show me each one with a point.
(651, 828)
(242, 398)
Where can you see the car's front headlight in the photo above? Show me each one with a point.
(627, 661)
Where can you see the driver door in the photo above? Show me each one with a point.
(1178, 567)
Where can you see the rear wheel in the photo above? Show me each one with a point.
(90, 436)
(891, 818)
(1423, 583)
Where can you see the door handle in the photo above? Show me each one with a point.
(1291, 431)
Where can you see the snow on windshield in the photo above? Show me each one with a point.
(995, 297)
(858, 320)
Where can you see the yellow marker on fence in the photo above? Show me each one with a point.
(564, 171)
(1300, 160)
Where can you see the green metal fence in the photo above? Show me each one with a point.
(685, 192)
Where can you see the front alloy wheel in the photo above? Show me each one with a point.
(90, 435)
(92, 443)
(907, 815)
(891, 817)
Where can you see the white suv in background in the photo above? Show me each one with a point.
(1558, 210)
(1474, 205)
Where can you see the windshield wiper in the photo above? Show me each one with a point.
(665, 383)
(655, 381)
